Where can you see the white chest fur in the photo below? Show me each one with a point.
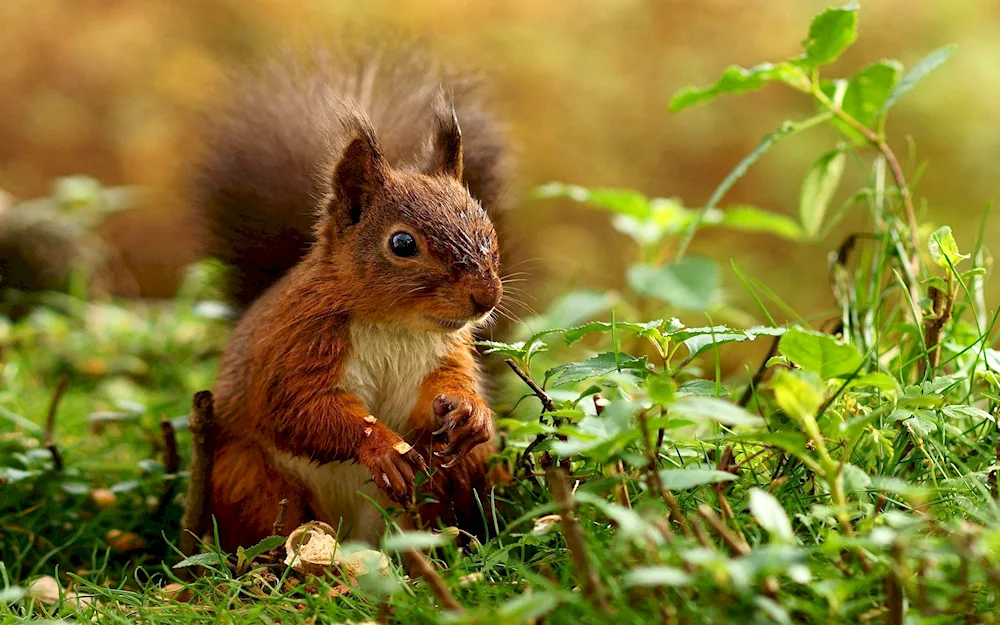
(385, 369)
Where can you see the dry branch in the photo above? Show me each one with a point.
(196, 506)
(574, 538)
(50, 423)
(427, 571)
(171, 464)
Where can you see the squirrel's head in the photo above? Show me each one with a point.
(414, 245)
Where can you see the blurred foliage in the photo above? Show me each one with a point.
(111, 89)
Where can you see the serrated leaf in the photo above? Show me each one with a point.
(712, 409)
(598, 365)
(689, 284)
(753, 219)
(680, 479)
(944, 249)
(957, 412)
(736, 79)
(199, 559)
(657, 576)
(572, 309)
(650, 328)
(770, 515)
(830, 33)
(818, 188)
(925, 66)
(820, 353)
(269, 543)
(868, 90)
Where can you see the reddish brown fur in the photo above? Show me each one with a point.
(280, 386)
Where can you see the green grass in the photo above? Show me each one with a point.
(847, 474)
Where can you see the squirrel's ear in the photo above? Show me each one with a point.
(357, 177)
(446, 148)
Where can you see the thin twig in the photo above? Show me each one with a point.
(993, 474)
(904, 192)
(653, 471)
(893, 591)
(427, 571)
(171, 464)
(574, 538)
(278, 528)
(196, 506)
(547, 404)
(735, 544)
(50, 423)
(941, 305)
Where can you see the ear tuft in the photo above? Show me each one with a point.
(358, 176)
(446, 154)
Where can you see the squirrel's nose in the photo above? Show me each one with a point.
(485, 299)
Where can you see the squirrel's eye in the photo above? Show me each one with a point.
(403, 244)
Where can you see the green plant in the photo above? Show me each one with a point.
(849, 477)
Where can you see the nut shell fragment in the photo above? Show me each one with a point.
(312, 548)
(358, 563)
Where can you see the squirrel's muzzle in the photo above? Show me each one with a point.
(485, 296)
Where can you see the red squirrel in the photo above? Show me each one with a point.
(351, 198)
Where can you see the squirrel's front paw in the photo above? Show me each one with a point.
(392, 463)
(465, 421)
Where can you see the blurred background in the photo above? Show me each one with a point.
(112, 88)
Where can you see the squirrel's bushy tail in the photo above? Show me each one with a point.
(266, 158)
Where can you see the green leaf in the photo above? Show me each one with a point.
(736, 79)
(796, 394)
(12, 594)
(698, 408)
(526, 608)
(818, 188)
(944, 249)
(689, 284)
(753, 219)
(868, 90)
(820, 353)
(770, 515)
(680, 479)
(510, 350)
(405, 541)
(614, 427)
(269, 543)
(596, 366)
(621, 201)
(649, 328)
(199, 559)
(925, 66)
(957, 412)
(657, 576)
(830, 33)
